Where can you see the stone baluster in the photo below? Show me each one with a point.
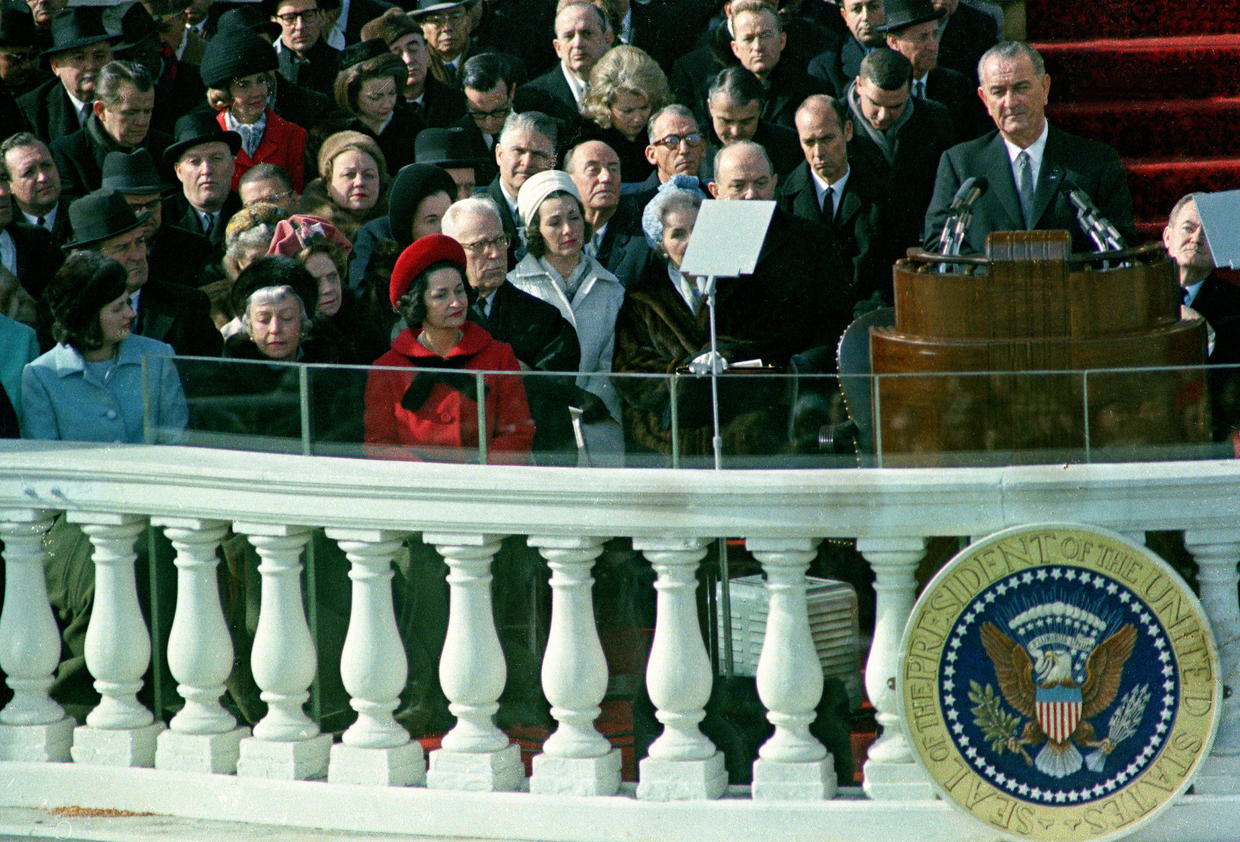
(890, 771)
(1217, 552)
(286, 743)
(119, 731)
(792, 764)
(374, 749)
(475, 754)
(32, 726)
(576, 758)
(202, 737)
(683, 763)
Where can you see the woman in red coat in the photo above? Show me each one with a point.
(425, 414)
(237, 68)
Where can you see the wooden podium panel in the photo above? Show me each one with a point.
(994, 351)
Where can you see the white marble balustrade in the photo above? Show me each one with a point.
(195, 497)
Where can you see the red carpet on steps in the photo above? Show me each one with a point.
(1159, 84)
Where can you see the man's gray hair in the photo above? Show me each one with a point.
(114, 74)
(1179, 206)
(1011, 50)
(453, 221)
(530, 121)
(673, 110)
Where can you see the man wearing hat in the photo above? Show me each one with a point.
(34, 180)
(436, 103)
(124, 104)
(172, 313)
(445, 26)
(912, 30)
(81, 46)
(171, 252)
(838, 64)
(19, 66)
(304, 57)
(449, 149)
(174, 65)
(240, 65)
(202, 157)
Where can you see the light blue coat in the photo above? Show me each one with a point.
(62, 399)
(18, 346)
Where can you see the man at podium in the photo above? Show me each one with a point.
(1031, 169)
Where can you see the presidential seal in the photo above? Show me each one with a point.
(1059, 682)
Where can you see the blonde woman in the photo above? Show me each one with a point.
(626, 87)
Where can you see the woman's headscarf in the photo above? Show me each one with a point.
(414, 183)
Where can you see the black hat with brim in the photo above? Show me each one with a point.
(196, 128)
(901, 14)
(247, 18)
(445, 147)
(430, 7)
(231, 55)
(272, 271)
(79, 26)
(133, 174)
(362, 51)
(100, 216)
(133, 22)
(17, 27)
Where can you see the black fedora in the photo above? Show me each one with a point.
(17, 27)
(430, 7)
(361, 51)
(100, 216)
(248, 17)
(79, 26)
(446, 148)
(133, 22)
(132, 173)
(195, 128)
(904, 13)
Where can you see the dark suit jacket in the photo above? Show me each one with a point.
(493, 192)
(908, 180)
(177, 253)
(858, 227)
(624, 251)
(487, 169)
(1218, 302)
(38, 257)
(838, 65)
(177, 212)
(958, 94)
(788, 86)
(545, 341)
(969, 33)
(49, 111)
(318, 73)
(79, 156)
(441, 104)
(62, 229)
(178, 91)
(691, 76)
(780, 143)
(302, 106)
(179, 315)
(550, 94)
(1092, 166)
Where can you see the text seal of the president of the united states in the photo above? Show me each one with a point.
(1059, 682)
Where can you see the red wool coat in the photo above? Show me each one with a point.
(283, 144)
(445, 426)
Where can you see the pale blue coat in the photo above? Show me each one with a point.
(61, 399)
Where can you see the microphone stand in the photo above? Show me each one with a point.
(717, 439)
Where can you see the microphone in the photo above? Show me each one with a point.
(953, 212)
(975, 191)
(1098, 227)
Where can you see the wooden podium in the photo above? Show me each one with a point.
(1007, 358)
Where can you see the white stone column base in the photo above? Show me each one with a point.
(885, 781)
(1218, 775)
(483, 771)
(297, 760)
(38, 743)
(576, 775)
(397, 766)
(116, 747)
(776, 781)
(213, 753)
(681, 780)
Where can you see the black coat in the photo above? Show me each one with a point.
(1092, 166)
(179, 315)
(80, 155)
(624, 251)
(441, 104)
(49, 111)
(318, 72)
(487, 169)
(857, 228)
(1218, 302)
(838, 65)
(177, 211)
(968, 33)
(958, 94)
(543, 340)
(181, 254)
(362, 12)
(780, 142)
(550, 94)
(301, 105)
(38, 258)
(787, 87)
(493, 192)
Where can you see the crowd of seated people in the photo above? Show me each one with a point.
(567, 146)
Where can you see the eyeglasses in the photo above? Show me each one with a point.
(673, 141)
(290, 18)
(444, 18)
(490, 115)
(483, 246)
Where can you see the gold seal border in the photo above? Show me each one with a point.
(1166, 596)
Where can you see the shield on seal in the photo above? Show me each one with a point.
(1059, 710)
